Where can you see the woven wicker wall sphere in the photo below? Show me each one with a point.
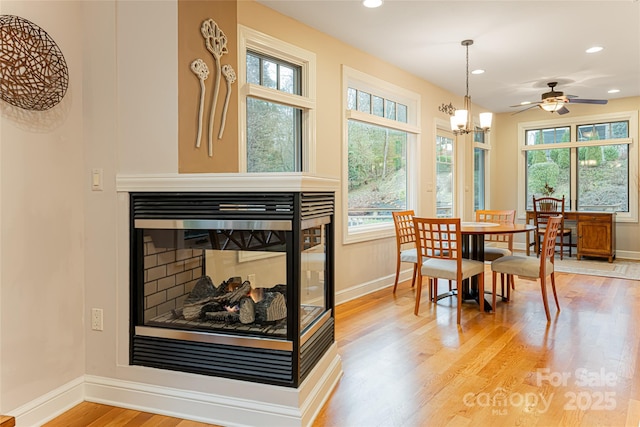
(33, 72)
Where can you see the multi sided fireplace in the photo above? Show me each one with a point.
(232, 284)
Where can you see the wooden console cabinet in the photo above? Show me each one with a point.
(595, 232)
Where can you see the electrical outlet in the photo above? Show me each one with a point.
(252, 279)
(96, 319)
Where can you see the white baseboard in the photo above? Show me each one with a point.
(223, 410)
(50, 405)
(630, 255)
(271, 409)
(372, 286)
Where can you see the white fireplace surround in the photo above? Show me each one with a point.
(268, 182)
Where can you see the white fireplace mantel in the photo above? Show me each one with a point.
(265, 182)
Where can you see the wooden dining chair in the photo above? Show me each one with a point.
(532, 268)
(543, 209)
(491, 253)
(439, 244)
(498, 217)
(405, 243)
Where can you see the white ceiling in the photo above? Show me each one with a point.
(521, 44)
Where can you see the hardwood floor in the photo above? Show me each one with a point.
(511, 368)
(89, 414)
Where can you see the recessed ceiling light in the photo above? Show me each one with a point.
(613, 91)
(525, 103)
(478, 71)
(594, 49)
(372, 3)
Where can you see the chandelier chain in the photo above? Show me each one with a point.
(467, 70)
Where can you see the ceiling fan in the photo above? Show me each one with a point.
(554, 101)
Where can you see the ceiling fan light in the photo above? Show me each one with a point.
(485, 120)
(552, 106)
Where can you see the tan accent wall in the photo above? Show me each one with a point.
(191, 45)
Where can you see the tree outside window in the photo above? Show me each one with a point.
(600, 171)
(378, 156)
(377, 163)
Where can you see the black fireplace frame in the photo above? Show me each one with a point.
(285, 362)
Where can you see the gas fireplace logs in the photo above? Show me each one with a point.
(234, 301)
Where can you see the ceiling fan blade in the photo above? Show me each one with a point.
(587, 101)
(563, 110)
(526, 105)
(525, 109)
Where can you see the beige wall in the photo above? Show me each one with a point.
(145, 34)
(102, 132)
(505, 156)
(42, 229)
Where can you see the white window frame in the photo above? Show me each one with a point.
(364, 82)
(252, 40)
(632, 141)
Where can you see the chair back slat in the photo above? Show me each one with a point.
(403, 222)
(498, 217)
(546, 207)
(438, 237)
(549, 241)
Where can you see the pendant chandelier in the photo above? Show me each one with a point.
(461, 122)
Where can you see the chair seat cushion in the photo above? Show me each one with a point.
(446, 268)
(520, 266)
(492, 253)
(409, 255)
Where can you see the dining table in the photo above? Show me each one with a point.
(473, 239)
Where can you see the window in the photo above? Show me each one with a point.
(548, 166)
(277, 112)
(479, 178)
(587, 161)
(603, 170)
(445, 176)
(273, 130)
(379, 152)
(480, 168)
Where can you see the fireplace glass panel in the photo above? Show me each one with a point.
(312, 280)
(190, 285)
